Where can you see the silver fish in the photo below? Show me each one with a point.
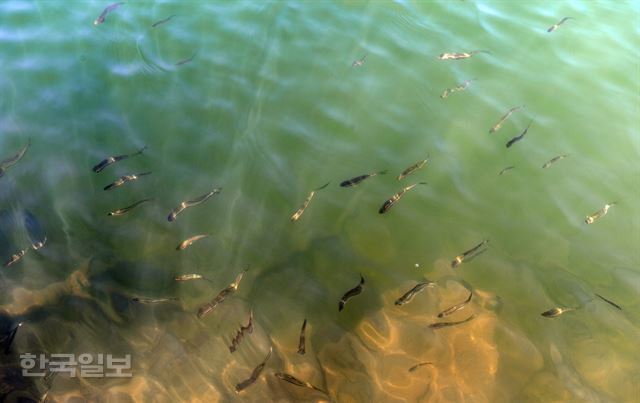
(413, 168)
(124, 179)
(351, 293)
(112, 160)
(457, 88)
(390, 202)
(16, 257)
(188, 242)
(468, 254)
(408, 296)
(188, 277)
(506, 116)
(460, 55)
(554, 312)
(240, 334)
(506, 169)
(142, 300)
(11, 161)
(360, 62)
(295, 381)
(191, 203)
(305, 204)
(207, 308)
(439, 325)
(455, 308)
(301, 344)
(554, 160)
(125, 210)
(106, 11)
(556, 25)
(254, 375)
(600, 213)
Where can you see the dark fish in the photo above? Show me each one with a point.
(106, 11)
(185, 61)
(7, 339)
(600, 213)
(240, 334)
(455, 308)
(439, 325)
(408, 296)
(191, 203)
(506, 116)
(293, 380)
(519, 137)
(394, 199)
(460, 87)
(15, 257)
(11, 161)
(155, 24)
(360, 62)
(553, 312)
(609, 301)
(207, 308)
(422, 364)
(254, 375)
(125, 210)
(142, 300)
(34, 231)
(188, 242)
(556, 25)
(358, 179)
(554, 160)
(506, 169)
(461, 55)
(301, 210)
(124, 179)
(301, 344)
(351, 293)
(108, 161)
(465, 255)
(413, 168)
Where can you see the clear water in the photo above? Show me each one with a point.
(270, 108)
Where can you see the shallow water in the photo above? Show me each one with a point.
(269, 108)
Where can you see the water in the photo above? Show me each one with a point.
(270, 108)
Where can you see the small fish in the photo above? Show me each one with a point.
(556, 25)
(600, 213)
(465, 255)
(125, 210)
(520, 136)
(254, 375)
(188, 242)
(609, 301)
(191, 203)
(304, 206)
(360, 62)
(394, 199)
(11, 161)
(351, 293)
(506, 116)
(462, 55)
(460, 87)
(142, 300)
(408, 296)
(292, 379)
(439, 325)
(7, 340)
(185, 61)
(155, 24)
(34, 231)
(422, 364)
(358, 179)
(301, 344)
(506, 169)
(106, 11)
(124, 179)
(552, 313)
(188, 277)
(455, 308)
(413, 168)
(240, 334)
(15, 257)
(111, 160)
(207, 308)
(554, 160)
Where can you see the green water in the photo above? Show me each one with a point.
(270, 108)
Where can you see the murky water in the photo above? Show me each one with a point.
(263, 99)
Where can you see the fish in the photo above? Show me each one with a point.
(553, 312)
(408, 296)
(520, 136)
(609, 301)
(360, 62)
(351, 293)
(301, 344)
(187, 60)
(506, 116)
(188, 277)
(254, 375)
(506, 169)
(191, 203)
(422, 364)
(293, 380)
(390, 202)
(125, 210)
(7, 339)
(124, 179)
(439, 325)
(155, 24)
(554, 160)
(106, 11)
(188, 242)
(460, 87)
(11, 161)
(355, 181)
(240, 334)
(34, 231)
(600, 213)
(556, 25)
(461, 55)
(413, 168)
(112, 160)
(207, 308)
(142, 300)
(455, 308)
(306, 202)
(16, 257)
(458, 259)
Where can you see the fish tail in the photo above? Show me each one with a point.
(382, 172)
